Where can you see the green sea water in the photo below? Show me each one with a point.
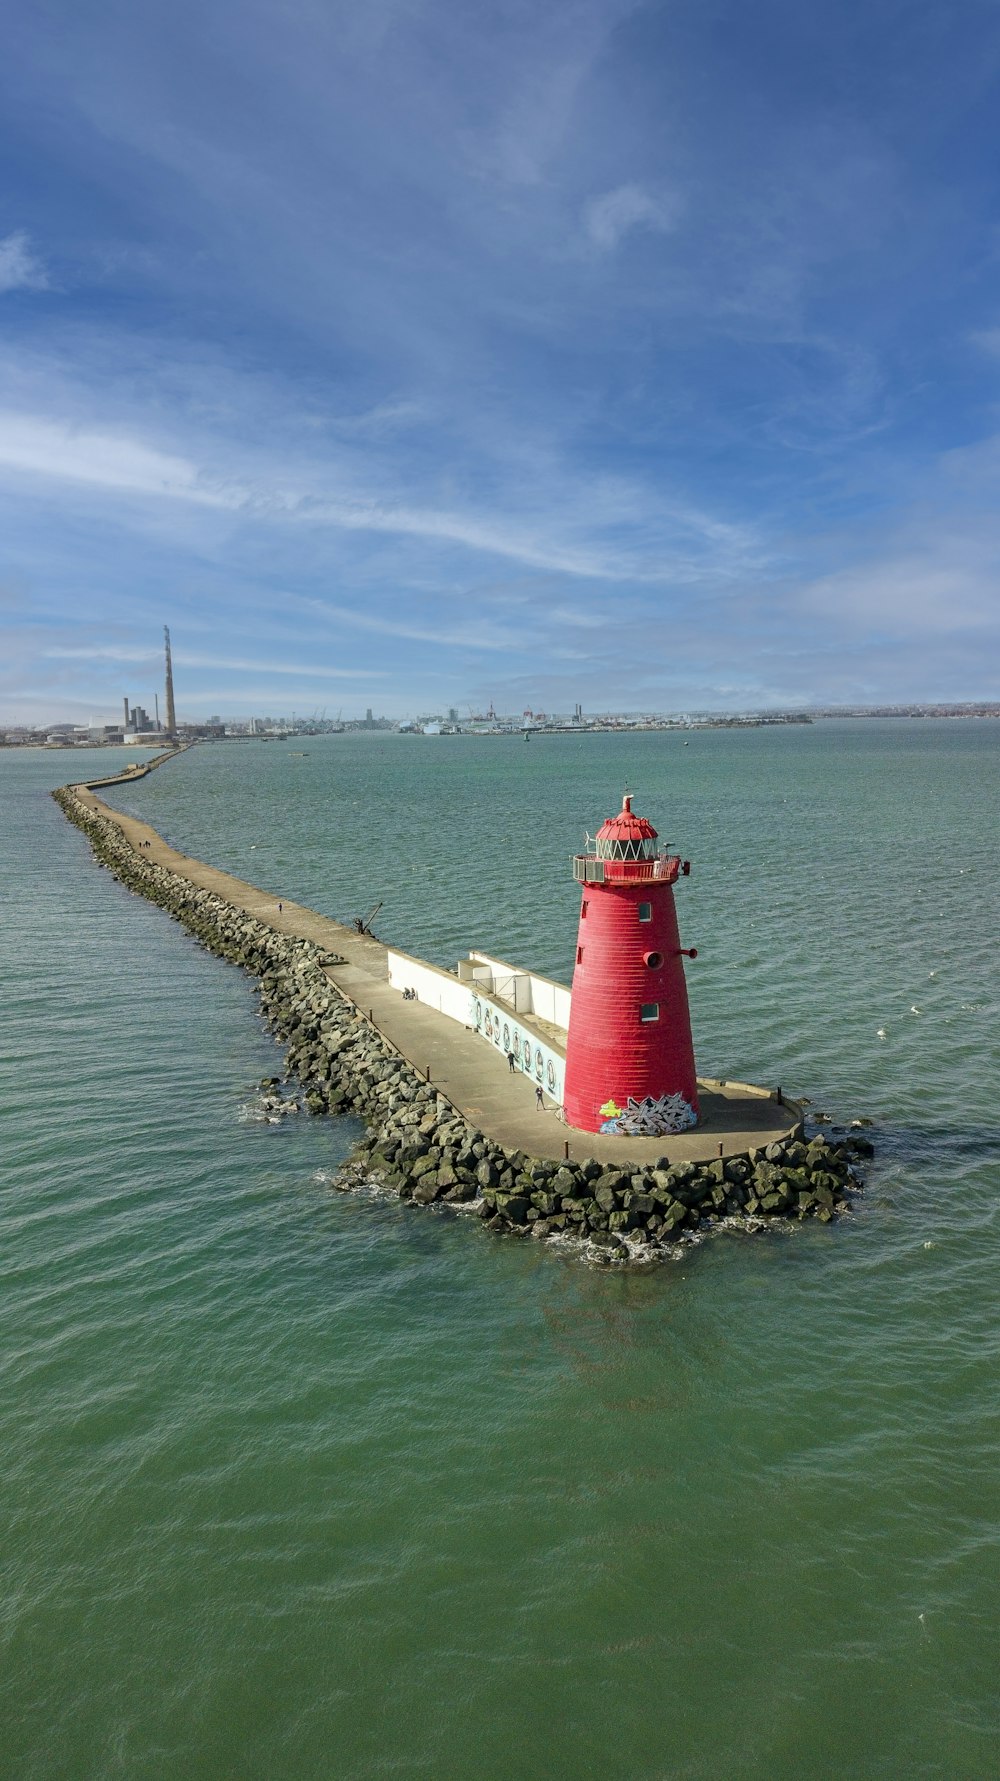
(300, 1483)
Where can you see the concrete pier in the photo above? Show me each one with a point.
(466, 1071)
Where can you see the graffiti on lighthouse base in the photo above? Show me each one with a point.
(649, 1118)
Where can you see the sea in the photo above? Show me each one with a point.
(301, 1483)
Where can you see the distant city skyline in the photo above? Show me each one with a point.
(415, 358)
(141, 727)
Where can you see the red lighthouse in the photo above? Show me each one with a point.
(629, 1056)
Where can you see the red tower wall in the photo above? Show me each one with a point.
(611, 1053)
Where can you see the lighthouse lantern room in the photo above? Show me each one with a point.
(629, 1054)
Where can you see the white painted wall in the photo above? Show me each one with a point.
(531, 994)
(434, 987)
(468, 1000)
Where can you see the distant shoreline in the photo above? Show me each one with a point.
(617, 727)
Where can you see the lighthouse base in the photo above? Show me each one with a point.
(654, 1116)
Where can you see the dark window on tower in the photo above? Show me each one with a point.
(583, 909)
(579, 955)
(650, 1011)
(645, 911)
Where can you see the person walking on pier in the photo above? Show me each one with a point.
(539, 1102)
(511, 1062)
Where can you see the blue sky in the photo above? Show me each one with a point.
(413, 355)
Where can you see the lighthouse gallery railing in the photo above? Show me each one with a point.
(588, 870)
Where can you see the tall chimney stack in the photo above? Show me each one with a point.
(171, 719)
(126, 714)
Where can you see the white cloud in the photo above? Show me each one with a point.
(566, 537)
(230, 665)
(538, 118)
(108, 653)
(385, 417)
(239, 664)
(471, 634)
(40, 447)
(608, 218)
(234, 664)
(989, 340)
(496, 537)
(20, 269)
(907, 596)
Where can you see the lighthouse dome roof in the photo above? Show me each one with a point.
(626, 826)
(626, 836)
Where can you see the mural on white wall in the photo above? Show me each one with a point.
(530, 1056)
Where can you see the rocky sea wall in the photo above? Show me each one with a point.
(423, 1148)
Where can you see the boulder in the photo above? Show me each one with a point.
(546, 1203)
(612, 1178)
(641, 1204)
(514, 1207)
(694, 1190)
(606, 1240)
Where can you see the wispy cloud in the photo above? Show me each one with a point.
(470, 634)
(610, 217)
(36, 446)
(229, 664)
(384, 419)
(605, 530)
(536, 103)
(103, 653)
(20, 267)
(929, 583)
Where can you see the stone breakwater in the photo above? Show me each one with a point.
(424, 1149)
